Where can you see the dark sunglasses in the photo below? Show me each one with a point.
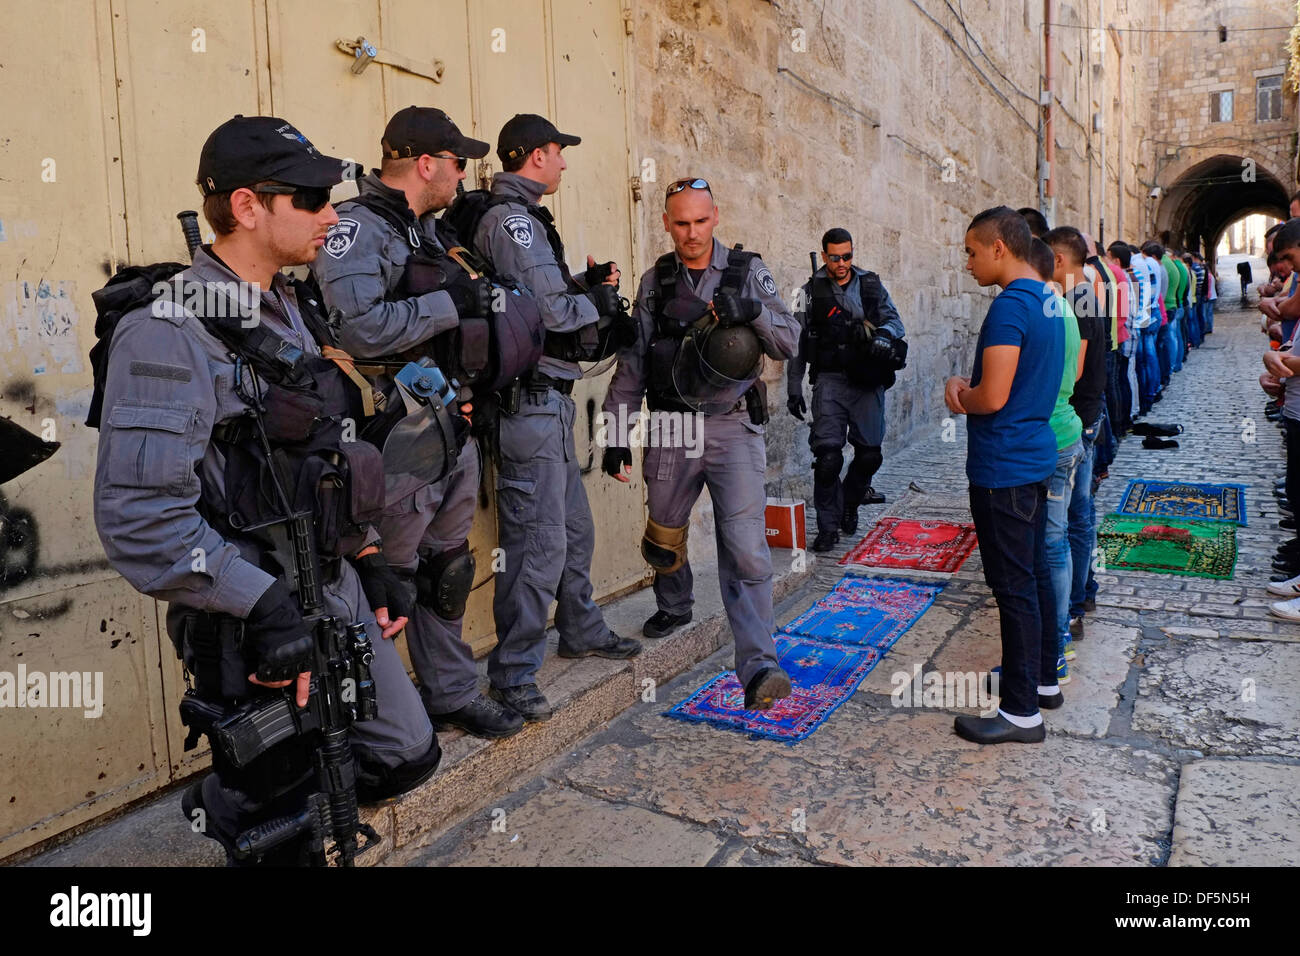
(460, 160)
(688, 184)
(310, 198)
(847, 257)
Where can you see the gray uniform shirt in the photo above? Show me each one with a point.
(169, 383)
(849, 298)
(514, 242)
(775, 326)
(361, 263)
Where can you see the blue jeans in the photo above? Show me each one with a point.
(1209, 314)
(1010, 525)
(1162, 353)
(1083, 520)
(1175, 339)
(1194, 333)
(1148, 367)
(1060, 488)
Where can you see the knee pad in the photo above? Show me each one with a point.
(867, 458)
(827, 464)
(664, 548)
(377, 782)
(443, 581)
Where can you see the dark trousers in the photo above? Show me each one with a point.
(1124, 420)
(1162, 353)
(1112, 392)
(1011, 525)
(1292, 427)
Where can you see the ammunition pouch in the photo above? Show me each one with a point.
(443, 581)
(664, 548)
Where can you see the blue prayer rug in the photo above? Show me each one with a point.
(865, 611)
(823, 676)
(1184, 499)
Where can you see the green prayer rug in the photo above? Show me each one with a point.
(1206, 549)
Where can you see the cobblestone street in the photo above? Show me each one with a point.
(1177, 745)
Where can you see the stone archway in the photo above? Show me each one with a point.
(1206, 197)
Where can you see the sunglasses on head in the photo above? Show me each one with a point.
(460, 160)
(310, 198)
(847, 257)
(688, 184)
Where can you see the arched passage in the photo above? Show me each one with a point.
(1207, 197)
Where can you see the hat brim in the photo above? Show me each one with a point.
(567, 139)
(473, 148)
(321, 171)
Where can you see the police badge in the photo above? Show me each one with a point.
(341, 236)
(519, 228)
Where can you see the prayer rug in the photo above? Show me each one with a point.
(822, 678)
(860, 611)
(916, 544)
(1205, 549)
(1185, 499)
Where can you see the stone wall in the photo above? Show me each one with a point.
(893, 119)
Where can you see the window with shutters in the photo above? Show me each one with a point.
(1268, 99)
(1221, 106)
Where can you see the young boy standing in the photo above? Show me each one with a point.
(1011, 452)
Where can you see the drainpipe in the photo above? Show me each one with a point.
(1123, 127)
(1102, 112)
(1049, 134)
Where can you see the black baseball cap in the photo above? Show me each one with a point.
(253, 149)
(417, 130)
(525, 132)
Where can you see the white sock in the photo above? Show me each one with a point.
(1049, 691)
(1033, 721)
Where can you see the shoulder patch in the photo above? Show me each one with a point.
(341, 236)
(766, 281)
(519, 227)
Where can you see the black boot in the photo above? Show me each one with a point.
(825, 541)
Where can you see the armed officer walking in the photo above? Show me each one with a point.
(705, 315)
(852, 339)
(544, 520)
(203, 413)
(383, 310)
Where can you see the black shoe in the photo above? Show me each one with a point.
(1284, 575)
(1045, 702)
(766, 687)
(849, 523)
(1151, 441)
(525, 700)
(620, 649)
(1287, 564)
(1089, 605)
(1160, 395)
(481, 717)
(997, 730)
(825, 541)
(873, 497)
(661, 623)
(1287, 524)
(1076, 628)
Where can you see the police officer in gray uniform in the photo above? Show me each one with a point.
(699, 289)
(852, 338)
(174, 447)
(544, 521)
(425, 525)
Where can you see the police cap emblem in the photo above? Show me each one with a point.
(519, 228)
(341, 236)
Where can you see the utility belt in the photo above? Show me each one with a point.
(539, 381)
(753, 401)
(533, 385)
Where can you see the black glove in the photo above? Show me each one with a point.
(733, 310)
(276, 637)
(381, 585)
(472, 297)
(604, 298)
(882, 347)
(797, 406)
(614, 459)
(597, 274)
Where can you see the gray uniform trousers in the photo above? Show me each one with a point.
(733, 466)
(545, 529)
(426, 522)
(838, 408)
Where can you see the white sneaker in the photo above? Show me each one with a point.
(1289, 588)
(1286, 610)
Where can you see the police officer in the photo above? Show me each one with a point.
(361, 272)
(182, 468)
(544, 521)
(699, 311)
(852, 338)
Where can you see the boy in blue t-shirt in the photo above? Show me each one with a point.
(1010, 454)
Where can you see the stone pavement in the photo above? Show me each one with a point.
(1178, 743)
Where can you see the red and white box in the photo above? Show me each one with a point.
(785, 523)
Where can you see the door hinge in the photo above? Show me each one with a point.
(636, 188)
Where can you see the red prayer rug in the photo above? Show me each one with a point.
(915, 544)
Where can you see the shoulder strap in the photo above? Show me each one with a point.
(408, 228)
(733, 277)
